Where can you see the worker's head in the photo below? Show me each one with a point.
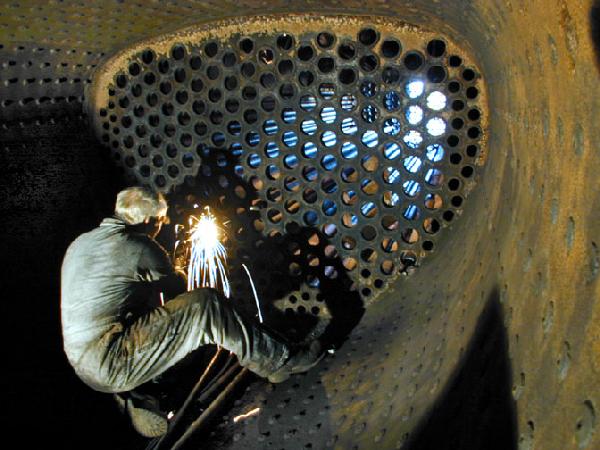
(142, 207)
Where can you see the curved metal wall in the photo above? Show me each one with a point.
(525, 252)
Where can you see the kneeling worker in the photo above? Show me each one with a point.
(117, 335)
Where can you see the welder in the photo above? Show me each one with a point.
(117, 333)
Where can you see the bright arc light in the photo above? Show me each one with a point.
(207, 267)
(436, 101)
(436, 126)
(415, 89)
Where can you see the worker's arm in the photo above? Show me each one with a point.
(156, 341)
(154, 266)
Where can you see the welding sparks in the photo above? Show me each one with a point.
(207, 267)
(250, 413)
(260, 317)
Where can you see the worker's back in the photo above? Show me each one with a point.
(107, 278)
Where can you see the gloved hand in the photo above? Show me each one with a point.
(302, 359)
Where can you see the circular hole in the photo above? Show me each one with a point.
(410, 235)
(436, 48)
(309, 195)
(389, 245)
(326, 64)
(136, 90)
(246, 45)
(163, 66)
(348, 243)
(454, 87)
(457, 123)
(268, 80)
(455, 61)
(231, 83)
(198, 107)
(232, 105)
(390, 75)
(248, 69)
(268, 104)
(349, 198)
(367, 36)
(149, 78)
(200, 129)
(448, 216)
(325, 40)
(211, 49)
(431, 226)
(387, 268)
(274, 215)
(249, 93)
(390, 223)
(472, 92)
(347, 76)
(285, 41)
(347, 51)
(214, 95)
(287, 91)
(285, 67)
(368, 255)
(306, 78)
(413, 60)
(468, 75)
(457, 201)
(458, 105)
(428, 246)
(349, 220)
(368, 63)
(212, 72)
(305, 53)
(390, 48)
(473, 132)
(147, 56)
(165, 87)
(453, 140)
(455, 158)
(266, 56)
(184, 118)
(229, 59)
(368, 232)
(474, 114)
(178, 52)
(250, 116)
(467, 171)
(310, 218)
(436, 74)
(453, 184)
(472, 150)
(181, 97)
(180, 75)
(349, 263)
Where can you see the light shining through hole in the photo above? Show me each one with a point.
(436, 101)
(436, 126)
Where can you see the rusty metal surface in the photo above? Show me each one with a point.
(530, 232)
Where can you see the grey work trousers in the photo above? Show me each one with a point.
(127, 356)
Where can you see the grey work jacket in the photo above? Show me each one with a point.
(115, 333)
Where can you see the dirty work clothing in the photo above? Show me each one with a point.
(117, 336)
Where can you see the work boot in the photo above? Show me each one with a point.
(302, 360)
(147, 423)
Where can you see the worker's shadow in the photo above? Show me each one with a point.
(303, 288)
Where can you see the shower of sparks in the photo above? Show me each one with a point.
(250, 413)
(260, 317)
(207, 266)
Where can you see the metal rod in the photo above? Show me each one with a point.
(200, 384)
(208, 414)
